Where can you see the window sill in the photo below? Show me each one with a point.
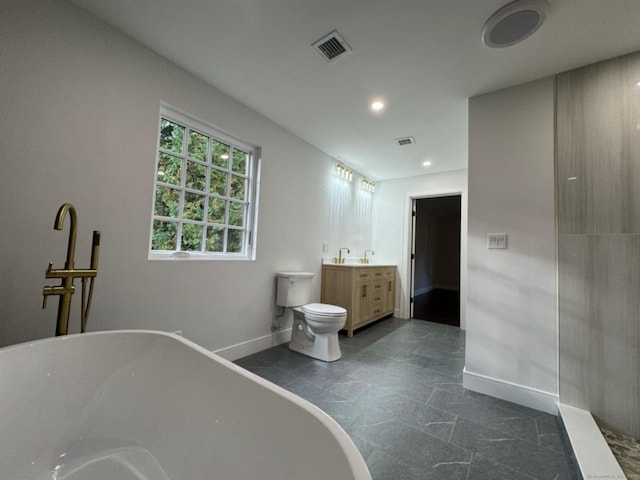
(197, 256)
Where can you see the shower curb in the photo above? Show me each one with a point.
(592, 455)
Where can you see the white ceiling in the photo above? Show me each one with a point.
(424, 57)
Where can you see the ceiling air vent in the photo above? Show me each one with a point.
(332, 47)
(405, 141)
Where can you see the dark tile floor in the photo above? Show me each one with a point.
(397, 391)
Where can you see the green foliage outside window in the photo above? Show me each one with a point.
(201, 192)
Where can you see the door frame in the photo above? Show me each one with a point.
(407, 246)
(412, 255)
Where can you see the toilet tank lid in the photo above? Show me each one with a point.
(294, 274)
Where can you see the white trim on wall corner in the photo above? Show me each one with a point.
(511, 392)
(243, 349)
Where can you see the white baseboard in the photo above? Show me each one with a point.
(593, 455)
(511, 392)
(242, 349)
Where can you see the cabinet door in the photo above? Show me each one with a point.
(390, 291)
(362, 304)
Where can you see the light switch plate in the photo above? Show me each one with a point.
(496, 240)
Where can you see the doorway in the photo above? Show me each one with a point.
(435, 259)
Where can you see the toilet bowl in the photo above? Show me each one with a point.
(315, 325)
(315, 330)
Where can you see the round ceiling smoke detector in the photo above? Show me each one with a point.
(514, 22)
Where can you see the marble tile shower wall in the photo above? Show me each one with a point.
(398, 392)
(598, 174)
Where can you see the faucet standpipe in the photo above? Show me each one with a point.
(69, 274)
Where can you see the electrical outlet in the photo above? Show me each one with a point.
(496, 240)
(325, 248)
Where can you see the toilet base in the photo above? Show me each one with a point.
(325, 346)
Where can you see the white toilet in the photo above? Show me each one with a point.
(315, 325)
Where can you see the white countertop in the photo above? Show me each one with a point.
(354, 262)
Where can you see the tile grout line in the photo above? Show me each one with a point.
(537, 431)
(470, 462)
(455, 422)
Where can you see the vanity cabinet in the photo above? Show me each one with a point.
(367, 292)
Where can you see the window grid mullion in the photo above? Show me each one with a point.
(207, 190)
(183, 184)
(228, 200)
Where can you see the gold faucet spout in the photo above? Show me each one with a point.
(340, 257)
(71, 247)
(365, 259)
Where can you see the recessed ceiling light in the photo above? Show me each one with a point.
(377, 105)
(427, 163)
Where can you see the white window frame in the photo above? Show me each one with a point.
(252, 178)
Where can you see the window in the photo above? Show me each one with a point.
(205, 188)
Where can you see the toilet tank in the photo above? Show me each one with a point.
(293, 288)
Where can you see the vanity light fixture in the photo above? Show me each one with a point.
(368, 185)
(344, 172)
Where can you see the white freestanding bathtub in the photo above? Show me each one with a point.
(143, 405)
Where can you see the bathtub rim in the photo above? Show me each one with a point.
(352, 454)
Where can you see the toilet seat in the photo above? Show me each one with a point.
(323, 310)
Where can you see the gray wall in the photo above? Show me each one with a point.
(511, 305)
(78, 123)
(598, 174)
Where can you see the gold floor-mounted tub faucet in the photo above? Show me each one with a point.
(70, 273)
